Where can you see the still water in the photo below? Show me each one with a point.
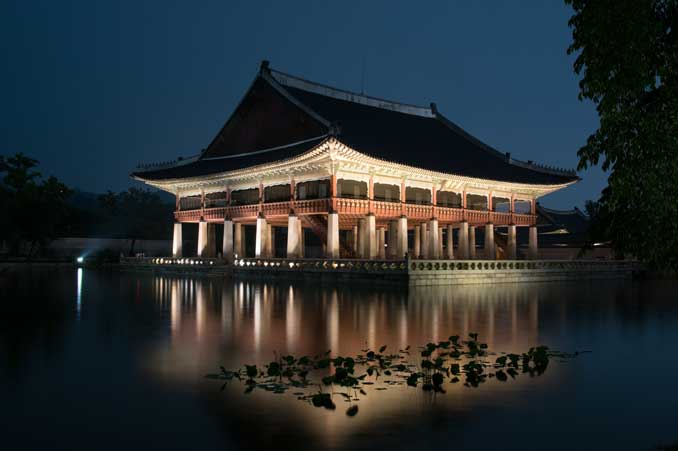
(107, 360)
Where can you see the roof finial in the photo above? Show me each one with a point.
(263, 68)
(434, 108)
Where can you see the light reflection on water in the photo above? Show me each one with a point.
(136, 347)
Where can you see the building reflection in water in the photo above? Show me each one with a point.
(256, 319)
(214, 322)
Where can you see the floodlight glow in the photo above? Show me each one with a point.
(80, 259)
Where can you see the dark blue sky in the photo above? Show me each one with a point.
(92, 88)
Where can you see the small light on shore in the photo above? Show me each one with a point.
(80, 259)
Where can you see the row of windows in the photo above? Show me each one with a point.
(352, 189)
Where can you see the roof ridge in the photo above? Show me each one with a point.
(269, 149)
(294, 81)
(572, 211)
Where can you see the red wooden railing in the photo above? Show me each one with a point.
(356, 207)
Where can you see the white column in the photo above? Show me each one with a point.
(401, 237)
(472, 242)
(362, 238)
(417, 242)
(381, 248)
(511, 253)
(450, 242)
(332, 235)
(202, 239)
(533, 250)
(238, 248)
(371, 236)
(293, 238)
(489, 241)
(260, 241)
(227, 248)
(433, 239)
(177, 240)
(424, 241)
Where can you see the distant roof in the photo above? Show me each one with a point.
(574, 221)
(298, 110)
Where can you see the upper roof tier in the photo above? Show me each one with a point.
(282, 116)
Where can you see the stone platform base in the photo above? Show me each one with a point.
(407, 272)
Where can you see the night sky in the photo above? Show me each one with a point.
(92, 88)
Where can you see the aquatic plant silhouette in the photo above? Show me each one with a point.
(454, 361)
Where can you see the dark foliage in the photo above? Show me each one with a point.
(627, 56)
(34, 210)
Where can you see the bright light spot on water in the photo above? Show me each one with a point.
(78, 298)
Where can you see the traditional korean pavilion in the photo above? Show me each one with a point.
(373, 178)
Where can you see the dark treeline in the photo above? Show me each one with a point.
(37, 210)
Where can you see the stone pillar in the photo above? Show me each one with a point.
(533, 249)
(392, 242)
(362, 238)
(202, 239)
(424, 251)
(270, 241)
(417, 242)
(260, 240)
(302, 239)
(463, 240)
(238, 240)
(401, 237)
(211, 250)
(371, 236)
(177, 239)
(450, 242)
(332, 235)
(293, 238)
(381, 248)
(433, 239)
(511, 253)
(472, 242)
(489, 241)
(227, 248)
(354, 241)
(440, 242)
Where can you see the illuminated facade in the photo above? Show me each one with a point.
(373, 179)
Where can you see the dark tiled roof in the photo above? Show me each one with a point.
(231, 163)
(425, 142)
(414, 136)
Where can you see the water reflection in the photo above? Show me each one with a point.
(258, 318)
(78, 296)
(143, 343)
(213, 322)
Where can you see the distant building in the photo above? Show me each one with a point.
(371, 178)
